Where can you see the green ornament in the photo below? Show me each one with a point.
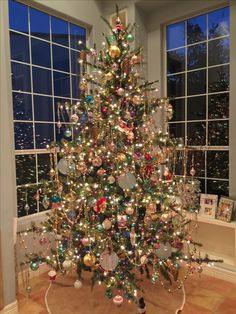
(130, 38)
(99, 227)
(108, 294)
(111, 39)
(34, 265)
(68, 133)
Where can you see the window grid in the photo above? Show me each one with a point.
(185, 97)
(51, 98)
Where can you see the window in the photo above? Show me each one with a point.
(44, 53)
(197, 82)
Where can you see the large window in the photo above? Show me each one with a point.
(45, 72)
(197, 81)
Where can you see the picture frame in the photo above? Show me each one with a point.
(123, 18)
(225, 209)
(208, 205)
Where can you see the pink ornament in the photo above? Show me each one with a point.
(104, 109)
(97, 162)
(114, 67)
(118, 300)
(120, 91)
(74, 118)
(101, 172)
(85, 241)
(135, 59)
(136, 99)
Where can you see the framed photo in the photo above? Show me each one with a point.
(225, 209)
(122, 16)
(208, 205)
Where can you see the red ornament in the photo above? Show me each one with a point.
(101, 205)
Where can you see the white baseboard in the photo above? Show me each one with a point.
(10, 309)
(220, 273)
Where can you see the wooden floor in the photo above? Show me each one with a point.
(203, 295)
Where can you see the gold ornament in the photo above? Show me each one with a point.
(89, 260)
(121, 157)
(114, 51)
(129, 210)
(109, 76)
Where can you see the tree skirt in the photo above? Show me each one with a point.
(63, 298)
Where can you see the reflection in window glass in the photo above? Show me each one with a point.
(218, 23)
(197, 82)
(218, 187)
(77, 34)
(196, 108)
(196, 133)
(177, 130)
(23, 135)
(218, 51)
(43, 167)
(196, 29)
(176, 60)
(43, 108)
(218, 133)
(218, 106)
(44, 134)
(176, 85)
(22, 106)
(196, 56)
(178, 109)
(25, 162)
(217, 164)
(218, 79)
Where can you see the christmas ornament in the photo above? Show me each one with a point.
(114, 51)
(129, 210)
(132, 236)
(130, 38)
(114, 67)
(111, 179)
(109, 76)
(67, 264)
(45, 202)
(52, 275)
(122, 221)
(135, 59)
(101, 205)
(97, 162)
(67, 133)
(74, 118)
(126, 181)
(109, 260)
(89, 260)
(101, 172)
(65, 166)
(164, 251)
(107, 224)
(118, 300)
(120, 91)
(85, 241)
(34, 265)
(78, 284)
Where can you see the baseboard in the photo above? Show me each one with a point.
(10, 309)
(220, 273)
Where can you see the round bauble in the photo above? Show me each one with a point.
(109, 260)
(135, 59)
(129, 210)
(118, 300)
(114, 51)
(121, 157)
(67, 133)
(34, 265)
(101, 172)
(78, 284)
(67, 264)
(85, 241)
(164, 251)
(126, 181)
(136, 99)
(107, 224)
(65, 166)
(114, 67)
(28, 289)
(97, 162)
(120, 91)
(130, 38)
(109, 76)
(74, 118)
(89, 260)
(111, 179)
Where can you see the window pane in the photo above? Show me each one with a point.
(42, 81)
(176, 85)
(22, 201)
(218, 187)
(202, 185)
(218, 106)
(197, 82)
(218, 164)
(22, 106)
(18, 16)
(44, 134)
(41, 53)
(196, 29)
(218, 133)
(20, 77)
(75, 86)
(179, 170)
(196, 108)
(218, 51)
(218, 23)
(63, 113)
(77, 34)
(60, 58)
(43, 167)
(61, 84)
(23, 135)
(43, 108)
(177, 130)
(24, 162)
(175, 35)
(196, 56)
(196, 133)
(59, 31)
(39, 24)
(178, 109)
(75, 66)
(176, 61)
(19, 47)
(218, 79)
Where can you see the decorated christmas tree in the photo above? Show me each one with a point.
(117, 209)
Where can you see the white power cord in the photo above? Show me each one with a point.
(46, 298)
(179, 310)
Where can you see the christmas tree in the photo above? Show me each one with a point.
(117, 207)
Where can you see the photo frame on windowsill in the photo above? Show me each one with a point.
(208, 205)
(225, 209)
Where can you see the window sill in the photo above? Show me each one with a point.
(24, 223)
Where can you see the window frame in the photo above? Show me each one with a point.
(25, 221)
(164, 73)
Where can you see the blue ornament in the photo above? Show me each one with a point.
(34, 265)
(89, 99)
(84, 118)
(55, 199)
